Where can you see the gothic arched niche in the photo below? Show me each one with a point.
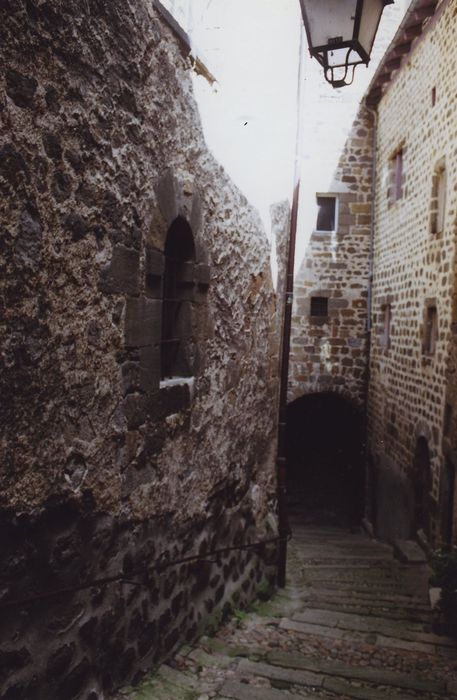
(178, 283)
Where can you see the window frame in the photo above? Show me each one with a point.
(438, 198)
(321, 298)
(430, 330)
(386, 310)
(327, 195)
(175, 279)
(396, 175)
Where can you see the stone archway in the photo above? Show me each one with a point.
(325, 458)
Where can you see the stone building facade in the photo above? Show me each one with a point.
(139, 366)
(413, 280)
(329, 327)
(404, 265)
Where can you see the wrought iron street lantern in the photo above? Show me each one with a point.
(341, 34)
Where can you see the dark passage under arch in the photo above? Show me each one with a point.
(325, 459)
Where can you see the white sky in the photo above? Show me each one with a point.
(249, 116)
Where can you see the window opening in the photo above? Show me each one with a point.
(433, 96)
(398, 184)
(326, 214)
(438, 202)
(387, 318)
(179, 252)
(431, 330)
(319, 307)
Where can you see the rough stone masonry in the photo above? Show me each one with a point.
(109, 470)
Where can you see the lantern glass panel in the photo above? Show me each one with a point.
(338, 57)
(330, 20)
(371, 14)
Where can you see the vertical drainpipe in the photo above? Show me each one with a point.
(283, 520)
(368, 480)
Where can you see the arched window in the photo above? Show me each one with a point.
(178, 283)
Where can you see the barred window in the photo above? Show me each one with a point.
(319, 307)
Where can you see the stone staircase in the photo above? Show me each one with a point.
(353, 622)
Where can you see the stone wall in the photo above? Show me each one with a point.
(329, 354)
(413, 271)
(107, 471)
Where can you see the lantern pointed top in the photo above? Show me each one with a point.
(341, 34)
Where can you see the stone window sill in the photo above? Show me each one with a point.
(319, 320)
(177, 381)
(176, 394)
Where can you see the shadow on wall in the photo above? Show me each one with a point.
(325, 459)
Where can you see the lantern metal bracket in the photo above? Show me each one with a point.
(341, 81)
(341, 46)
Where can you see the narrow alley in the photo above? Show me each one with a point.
(228, 302)
(353, 622)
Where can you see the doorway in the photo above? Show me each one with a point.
(325, 459)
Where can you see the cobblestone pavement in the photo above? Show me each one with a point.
(353, 622)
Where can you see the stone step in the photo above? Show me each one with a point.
(246, 691)
(409, 552)
(316, 554)
(375, 676)
(289, 676)
(399, 572)
(364, 598)
(357, 623)
(362, 581)
(373, 638)
(391, 613)
(348, 620)
(360, 593)
(313, 630)
(292, 677)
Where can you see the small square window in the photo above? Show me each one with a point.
(326, 214)
(430, 330)
(319, 307)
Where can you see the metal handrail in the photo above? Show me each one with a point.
(121, 577)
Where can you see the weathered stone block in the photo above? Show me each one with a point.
(149, 368)
(187, 273)
(203, 274)
(155, 262)
(142, 321)
(334, 304)
(28, 243)
(122, 275)
(20, 88)
(166, 196)
(135, 410)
